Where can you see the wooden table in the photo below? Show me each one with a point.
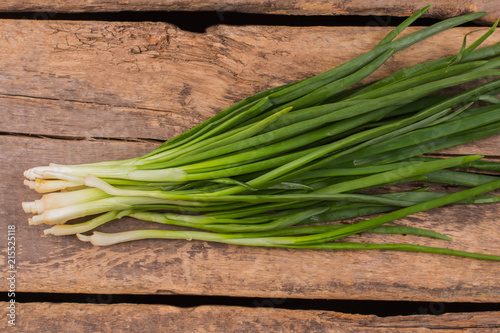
(83, 91)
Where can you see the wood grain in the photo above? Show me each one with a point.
(103, 318)
(441, 8)
(75, 92)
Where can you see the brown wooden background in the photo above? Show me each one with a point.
(75, 91)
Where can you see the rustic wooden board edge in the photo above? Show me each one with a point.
(440, 9)
(57, 317)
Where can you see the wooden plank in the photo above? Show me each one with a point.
(440, 9)
(154, 81)
(100, 318)
(73, 83)
(65, 265)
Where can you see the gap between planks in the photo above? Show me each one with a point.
(440, 9)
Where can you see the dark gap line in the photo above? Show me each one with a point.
(199, 21)
(363, 307)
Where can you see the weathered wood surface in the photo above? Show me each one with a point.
(68, 87)
(440, 8)
(102, 318)
(155, 81)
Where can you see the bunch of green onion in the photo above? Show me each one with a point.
(278, 168)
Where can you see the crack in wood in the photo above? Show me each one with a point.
(78, 138)
(4, 95)
(493, 157)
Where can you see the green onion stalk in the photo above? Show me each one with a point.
(286, 167)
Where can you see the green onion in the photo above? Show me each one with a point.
(276, 168)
